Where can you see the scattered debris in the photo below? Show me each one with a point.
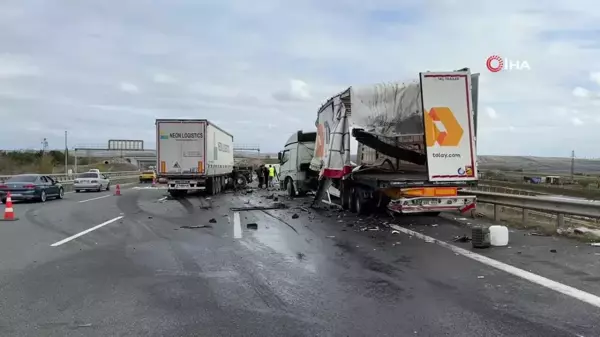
(434, 225)
(480, 277)
(149, 217)
(331, 237)
(295, 216)
(253, 226)
(305, 209)
(278, 205)
(552, 250)
(395, 232)
(196, 227)
(300, 256)
(213, 220)
(463, 238)
(429, 240)
(84, 325)
(271, 196)
(536, 234)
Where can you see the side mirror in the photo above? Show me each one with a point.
(279, 156)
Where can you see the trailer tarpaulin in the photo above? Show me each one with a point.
(385, 109)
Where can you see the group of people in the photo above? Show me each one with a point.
(266, 176)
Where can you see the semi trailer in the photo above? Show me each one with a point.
(193, 155)
(416, 145)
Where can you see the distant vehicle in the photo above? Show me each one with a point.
(94, 170)
(147, 176)
(193, 155)
(91, 181)
(31, 187)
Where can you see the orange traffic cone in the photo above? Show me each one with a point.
(118, 190)
(9, 213)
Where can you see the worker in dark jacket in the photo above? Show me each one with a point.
(266, 176)
(261, 176)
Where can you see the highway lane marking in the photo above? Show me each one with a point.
(237, 226)
(120, 185)
(529, 276)
(102, 197)
(56, 244)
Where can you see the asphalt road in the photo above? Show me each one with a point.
(322, 273)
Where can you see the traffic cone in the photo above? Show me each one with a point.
(9, 213)
(153, 181)
(118, 190)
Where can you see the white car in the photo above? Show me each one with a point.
(91, 181)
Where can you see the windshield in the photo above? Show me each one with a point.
(88, 175)
(22, 179)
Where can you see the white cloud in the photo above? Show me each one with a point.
(129, 87)
(581, 92)
(12, 66)
(268, 64)
(595, 77)
(163, 78)
(576, 121)
(491, 112)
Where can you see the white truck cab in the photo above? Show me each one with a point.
(294, 170)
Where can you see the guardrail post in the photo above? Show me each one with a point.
(560, 219)
(496, 212)
(525, 216)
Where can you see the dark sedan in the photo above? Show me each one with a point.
(36, 187)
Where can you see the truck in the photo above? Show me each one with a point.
(295, 175)
(416, 145)
(193, 155)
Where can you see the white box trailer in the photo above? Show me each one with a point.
(416, 144)
(193, 155)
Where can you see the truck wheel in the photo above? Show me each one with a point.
(362, 204)
(289, 186)
(346, 196)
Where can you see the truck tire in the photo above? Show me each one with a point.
(210, 186)
(346, 197)
(289, 186)
(362, 205)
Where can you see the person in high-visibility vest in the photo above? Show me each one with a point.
(271, 175)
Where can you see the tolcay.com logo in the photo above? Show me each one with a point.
(496, 63)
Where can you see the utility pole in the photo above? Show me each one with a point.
(572, 165)
(66, 155)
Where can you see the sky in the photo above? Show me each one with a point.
(260, 69)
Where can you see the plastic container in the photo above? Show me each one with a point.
(498, 235)
(480, 237)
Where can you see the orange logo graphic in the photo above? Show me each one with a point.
(453, 133)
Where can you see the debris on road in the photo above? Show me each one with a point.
(196, 227)
(213, 220)
(552, 250)
(295, 216)
(463, 238)
(278, 205)
(480, 277)
(253, 226)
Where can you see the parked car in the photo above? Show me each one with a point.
(36, 187)
(147, 176)
(91, 181)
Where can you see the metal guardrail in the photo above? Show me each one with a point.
(586, 209)
(65, 177)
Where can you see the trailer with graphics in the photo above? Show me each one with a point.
(193, 155)
(416, 145)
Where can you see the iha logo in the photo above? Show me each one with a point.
(496, 63)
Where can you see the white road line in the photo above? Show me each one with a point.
(531, 277)
(86, 231)
(102, 197)
(237, 226)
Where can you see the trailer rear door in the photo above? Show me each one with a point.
(449, 126)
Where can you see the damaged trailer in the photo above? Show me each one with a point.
(416, 145)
